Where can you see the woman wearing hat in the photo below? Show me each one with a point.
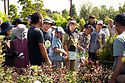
(19, 45)
(6, 30)
(17, 22)
(70, 42)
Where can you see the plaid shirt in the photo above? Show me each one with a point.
(84, 40)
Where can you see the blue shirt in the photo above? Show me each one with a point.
(94, 43)
(119, 47)
(56, 42)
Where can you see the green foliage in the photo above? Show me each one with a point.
(122, 8)
(65, 14)
(106, 20)
(85, 11)
(13, 12)
(106, 56)
(95, 11)
(81, 23)
(60, 21)
(74, 14)
(88, 73)
(100, 13)
(28, 7)
(103, 12)
(112, 13)
(4, 17)
(48, 11)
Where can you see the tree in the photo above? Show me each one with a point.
(28, 7)
(5, 6)
(74, 14)
(60, 21)
(122, 8)
(85, 11)
(103, 12)
(48, 11)
(81, 23)
(56, 12)
(95, 12)
(65, 13)
(13, 12)
(112, 13)
(70, 8)
(3, 16)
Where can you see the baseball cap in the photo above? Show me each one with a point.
(5, 27)
(59, 30)
(48, 20)
(53, 26)
(73, 21)
(100, 22)
(19, 21)
(29, 17)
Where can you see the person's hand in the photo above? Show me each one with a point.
(49, 62)
(65, 53)
(66, 56)
(83, 50)
(97, 51)
(8, 43)
(111, 81)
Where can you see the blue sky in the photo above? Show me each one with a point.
(59, 5)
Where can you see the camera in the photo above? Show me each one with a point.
(21, 55)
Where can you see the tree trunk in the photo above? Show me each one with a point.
(8, 5)
(5, 6)
(71, 8)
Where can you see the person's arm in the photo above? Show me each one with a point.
(64, 43)
(118, 51)
(44, 52)
(103, 40)
(119, 67)
(66, 49)
(79, 47)
(87, 47)
(60, 51)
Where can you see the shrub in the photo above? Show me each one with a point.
(106, 55)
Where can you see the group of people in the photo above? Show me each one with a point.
(44, 42)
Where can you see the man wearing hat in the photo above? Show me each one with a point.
(57, 49)
(96, 37)
(111, 27)
(119, 50)
(69, 20)
(70, 43)
(91, 22)
(6, 30)
(47, 23)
